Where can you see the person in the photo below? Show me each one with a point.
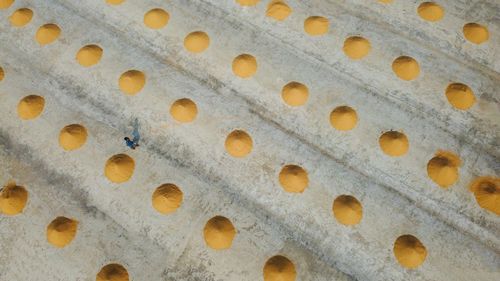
(130, 143)
(136, 137)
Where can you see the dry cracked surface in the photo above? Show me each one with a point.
(280, 140)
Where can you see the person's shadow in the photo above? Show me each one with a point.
(135, 136)
(135, 133)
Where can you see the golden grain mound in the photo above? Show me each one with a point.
(238, 143)
(394, 143)
(13, 199)
(115, 2)
(460, 96)
(476, 33)
(356, 47)
(47, 33)
(184, 110)
(430, 11)
(406, 68)
(30, 107)
(112, 272)
(487, 193)
(61, 231)
(131, 82)
(279, 268)
(293, 179)
(443, 168)
(244, 66)
(409, 251)
(72, 137)
(219, 233)
(4, 4)
(89, 55)
(247, 2)
(316, 25)
(21, 17)
(119, 168)
(196, 42)
(295, 93)
(347, 210)
(167, 198)
(343, 118)
(278, 10)
(156, 18)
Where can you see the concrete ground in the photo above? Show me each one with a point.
(117, 222)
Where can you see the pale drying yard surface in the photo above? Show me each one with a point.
(117, 223)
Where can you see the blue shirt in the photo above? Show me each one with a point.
(130, 143)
